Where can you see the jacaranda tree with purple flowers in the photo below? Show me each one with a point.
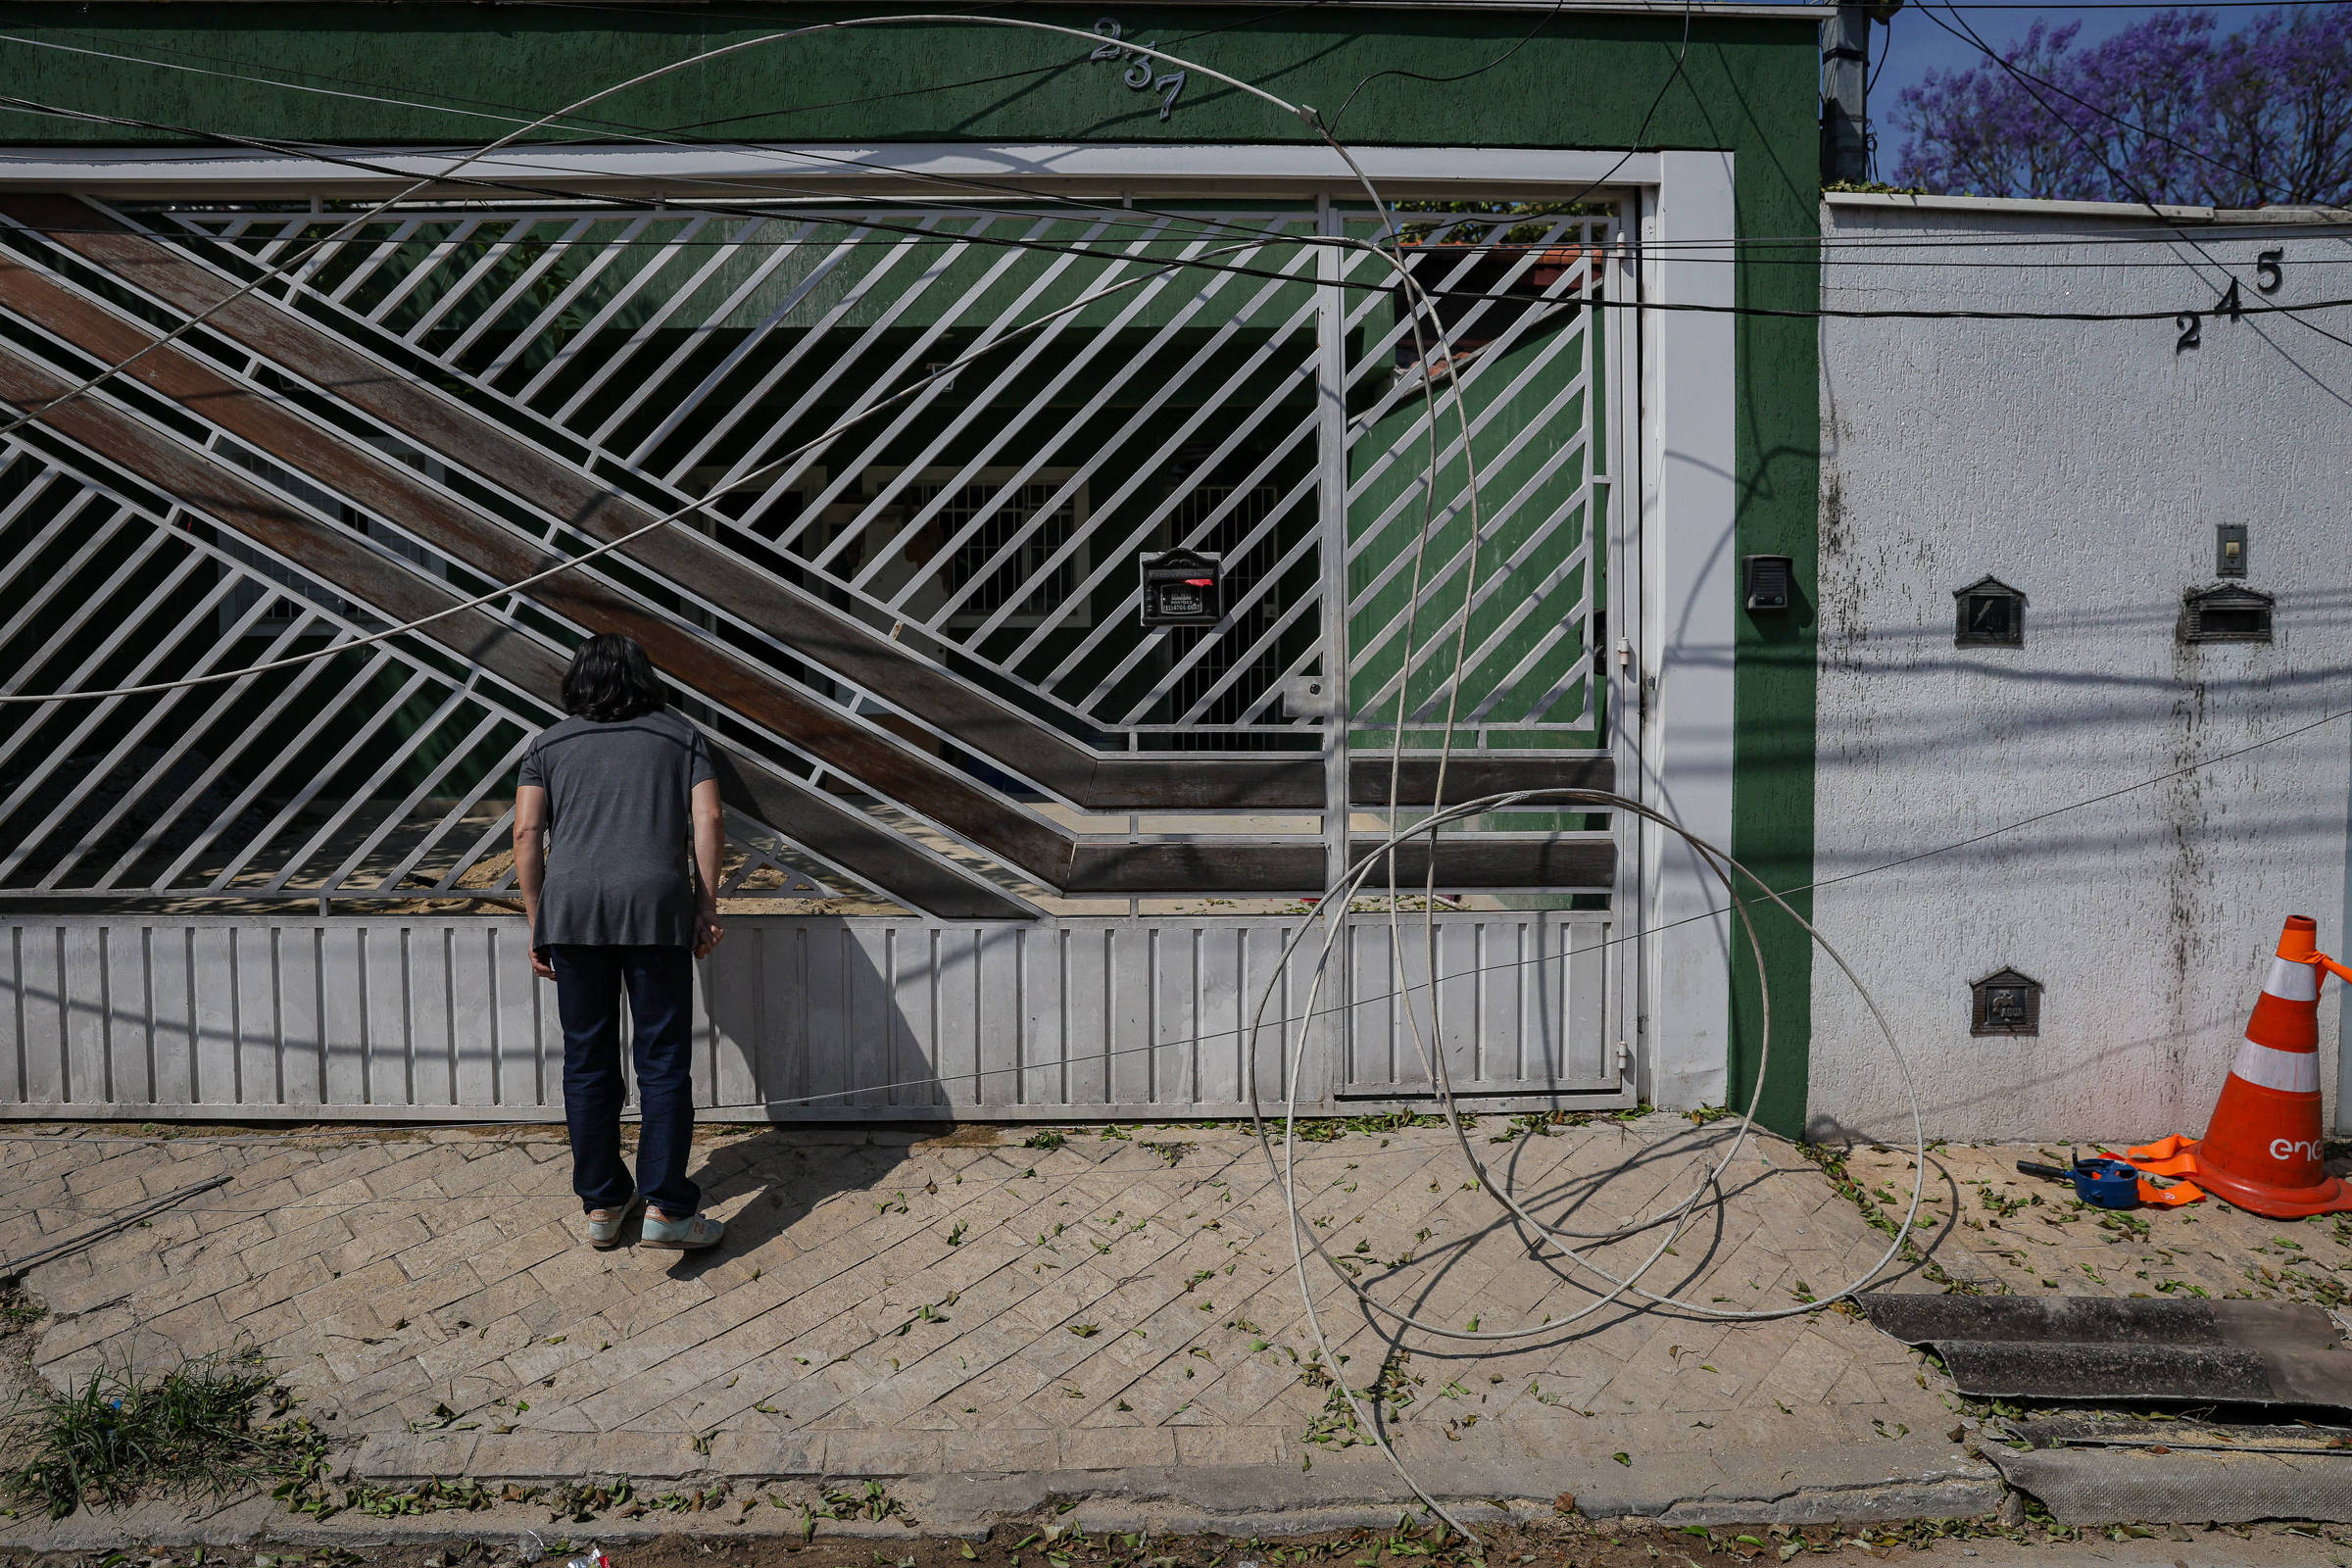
(2168, 109)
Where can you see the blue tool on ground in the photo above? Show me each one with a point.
(2102, 1182)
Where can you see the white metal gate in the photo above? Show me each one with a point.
(978, 726)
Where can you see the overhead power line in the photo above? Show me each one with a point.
(513, 114)
(2031, 80)
(624, 203)
(246, 72)
(1201, 227)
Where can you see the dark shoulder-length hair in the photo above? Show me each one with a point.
(611, 679)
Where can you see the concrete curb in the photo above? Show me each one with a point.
(1903, 1481)
(1913, 1478)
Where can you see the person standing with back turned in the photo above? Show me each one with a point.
(613, 901)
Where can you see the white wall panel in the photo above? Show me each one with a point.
(2087, 464)
(408, 1019)
(1693, 572)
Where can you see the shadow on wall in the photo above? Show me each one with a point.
(816, 1020)
(2094, 701)
(2060, 1078)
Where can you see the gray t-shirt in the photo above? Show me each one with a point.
(619, 829)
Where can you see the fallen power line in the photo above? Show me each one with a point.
(12, 1272)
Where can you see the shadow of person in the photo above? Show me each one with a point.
(803, 1024)
(764, 1181)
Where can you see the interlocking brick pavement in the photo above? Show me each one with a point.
(892, 1303)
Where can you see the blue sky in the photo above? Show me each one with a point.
(1913, 45)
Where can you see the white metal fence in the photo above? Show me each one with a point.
(438, 1018)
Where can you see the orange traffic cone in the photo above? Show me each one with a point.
(2263, 1150)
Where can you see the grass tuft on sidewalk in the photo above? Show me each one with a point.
(200, 1426)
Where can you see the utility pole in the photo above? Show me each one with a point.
(1844, 92)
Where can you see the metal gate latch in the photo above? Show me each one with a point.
(1310, 697)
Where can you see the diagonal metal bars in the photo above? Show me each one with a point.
(217, 790)
(995, 519)
(959, 567)
(362, 775)
(1527, 374)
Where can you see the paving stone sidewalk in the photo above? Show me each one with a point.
(1002, 1302)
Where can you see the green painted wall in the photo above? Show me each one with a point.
(469, 72)
(1585, 81)
(1773, 689)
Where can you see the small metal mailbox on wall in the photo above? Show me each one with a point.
(2226, 614)
(2006, 1002)
(1770, 583)
(1989, 614)
(1183, 588)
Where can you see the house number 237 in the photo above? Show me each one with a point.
(1142, 73)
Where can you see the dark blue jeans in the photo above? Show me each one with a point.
(660, 985)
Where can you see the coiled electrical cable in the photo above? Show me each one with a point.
(1562, 1241)
(1337, 900)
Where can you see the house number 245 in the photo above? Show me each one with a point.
(2267, 275)
(1141, 73)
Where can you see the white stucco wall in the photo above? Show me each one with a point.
(2087, 464)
